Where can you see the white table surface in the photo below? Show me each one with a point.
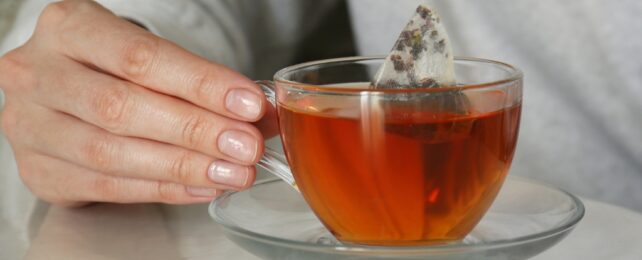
(153, 231)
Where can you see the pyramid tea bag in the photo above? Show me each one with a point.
(422, 58)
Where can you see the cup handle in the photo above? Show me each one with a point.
(273, 161)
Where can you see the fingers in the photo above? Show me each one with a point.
(98, 109)
(126, 109)
(62, 136)
(93, 35)
(66, 184)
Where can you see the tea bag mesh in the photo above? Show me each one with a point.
(422, 58)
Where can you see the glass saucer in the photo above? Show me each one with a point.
(272, 221)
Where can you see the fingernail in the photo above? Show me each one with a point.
(202, 192)
(238, 145)
(229, 174)
(243, 103)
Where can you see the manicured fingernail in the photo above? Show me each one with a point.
(228, 174)
(238, 145)
(243, 103)
(202, 192)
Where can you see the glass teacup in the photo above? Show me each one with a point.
(396, 166)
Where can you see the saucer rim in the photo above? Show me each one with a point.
(458, 246)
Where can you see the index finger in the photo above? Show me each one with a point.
(95, 36)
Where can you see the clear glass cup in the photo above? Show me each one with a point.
(409, 166)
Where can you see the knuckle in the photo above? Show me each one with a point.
(110, 107)
(139, 55)
(14, 71)
(204, 87)
(166, 192)
(182, 168)
(54, 13)
(16, 126)
(106, 189)
(77, 21)
(84, 6)
(194, 130)
(100, 152)
(9, 63)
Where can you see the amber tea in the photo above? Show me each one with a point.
(399, 175)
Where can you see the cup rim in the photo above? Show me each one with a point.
(514, 74)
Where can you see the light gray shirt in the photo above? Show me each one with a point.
(582, 60)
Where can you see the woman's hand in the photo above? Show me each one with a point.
(98, 109)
